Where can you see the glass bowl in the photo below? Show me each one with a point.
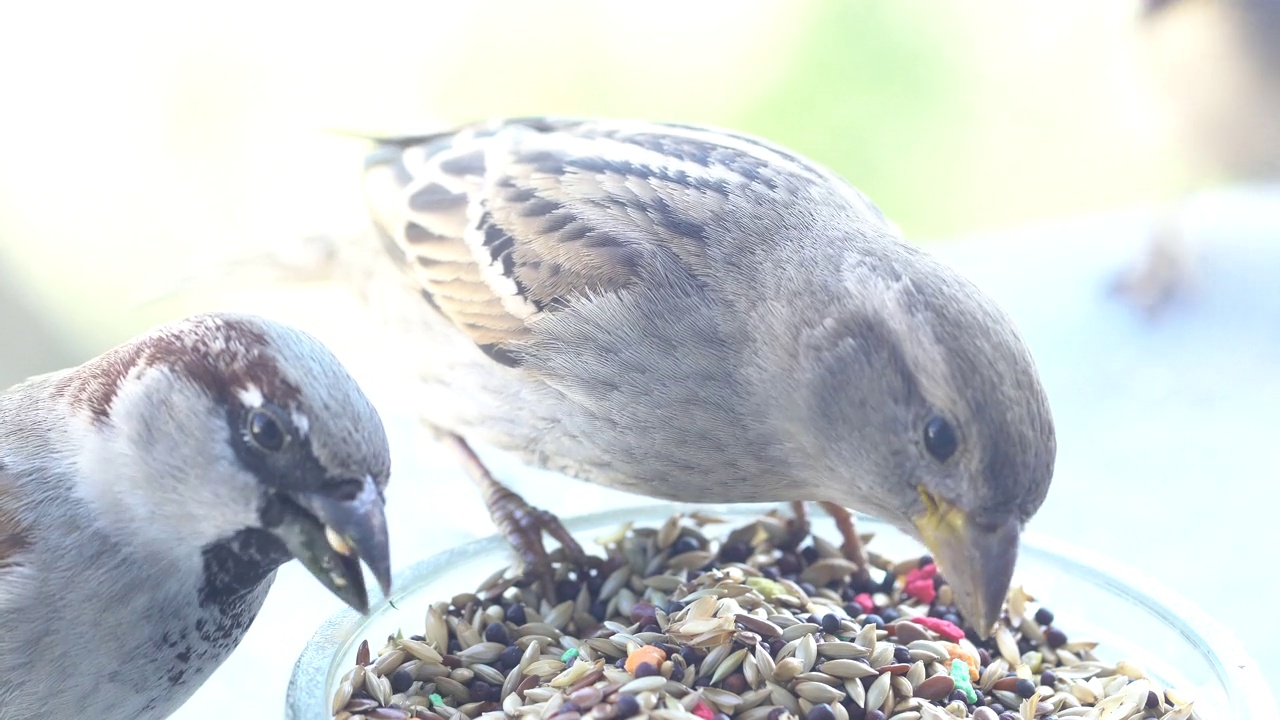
(1131, 617)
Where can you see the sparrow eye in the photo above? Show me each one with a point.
(940, 438)
(265, 431)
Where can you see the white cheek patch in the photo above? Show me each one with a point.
(300, 422)
(251, 396)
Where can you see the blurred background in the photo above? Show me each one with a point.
(1049, 150)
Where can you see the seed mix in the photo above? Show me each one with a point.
(670, 623)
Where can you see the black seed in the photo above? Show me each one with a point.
(510, 657)
(599, 609)
(875, 715)
(1055, 637)
(401, 680)
(889, 582)
(954, 620)
(481, 691)
(419, 638)
(735, 552)
(1047, 678)
(646, 669)
(1153, 700)
(788, 564)
(1044, 616)
(496, 632)
(516, 615)
(874, 619)
(651, 628)
(777, 713)
(958, 696)
(821, 711)
(770, 572)
(627, 706)
(830, 624)
(1024, 688)
(979, 698)
(984, 657)
(684, 544)
(808, 588)
(567, 589)
(926, 560)
(643, 613)
(810, 554)
(939, 581)
(673, 607)
(901, 654)
(736, 683)
(692, 656)
(890, 615)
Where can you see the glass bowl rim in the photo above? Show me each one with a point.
(1242, 678)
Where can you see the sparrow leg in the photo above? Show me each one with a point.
(797, 529)
(520, 523)
(852, 546)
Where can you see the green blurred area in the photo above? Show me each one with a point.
(144, 139)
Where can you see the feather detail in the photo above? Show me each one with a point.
(499, 223)
(14, 540)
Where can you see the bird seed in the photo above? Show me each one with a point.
(672, 624)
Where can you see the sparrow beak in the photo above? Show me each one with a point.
(330, 530)
(977, 559)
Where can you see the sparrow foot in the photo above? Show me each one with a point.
(520, 523)
(851, 545)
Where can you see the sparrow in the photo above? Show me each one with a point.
(148, 496)
(1215, 64)
(694, 314)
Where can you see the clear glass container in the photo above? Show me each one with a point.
(1131, 616)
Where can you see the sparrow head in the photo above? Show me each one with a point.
(237, 439)
(925, 409)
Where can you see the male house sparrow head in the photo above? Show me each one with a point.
(228, 429)
(148, 496)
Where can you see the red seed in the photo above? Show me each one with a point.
(947, 630)
(922, 589)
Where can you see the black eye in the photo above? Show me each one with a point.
(940, 438)
(265, 431)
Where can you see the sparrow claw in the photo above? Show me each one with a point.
(521, 524)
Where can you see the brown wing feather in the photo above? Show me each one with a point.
(14, 540)
(501, 222)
